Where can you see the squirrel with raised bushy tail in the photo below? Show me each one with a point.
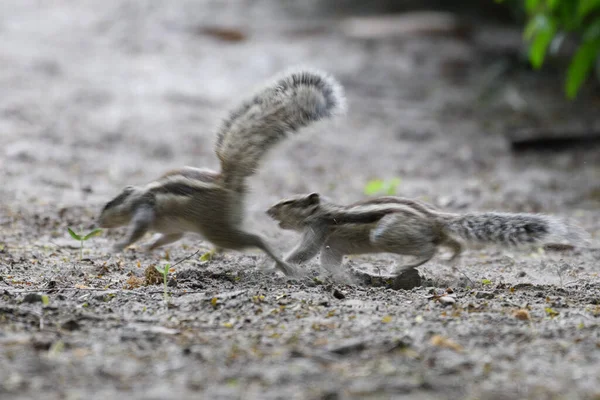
(404, 226)
(212, 203)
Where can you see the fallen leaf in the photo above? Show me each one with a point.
(550, 312)
(152, 276)
(134, 282)
(224, 34)
(522, 314)
(441, 341)
(80, 286)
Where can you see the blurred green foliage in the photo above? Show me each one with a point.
(380, 186)
(551, 20)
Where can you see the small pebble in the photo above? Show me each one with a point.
(484, 295)
(32, 298)
(447, 300)
(338, 295)
(70, 325)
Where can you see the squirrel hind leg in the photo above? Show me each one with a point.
(427, 255)
(331, 257)
(404, 234)
(246, 239)
(456, 247)
(162, 240)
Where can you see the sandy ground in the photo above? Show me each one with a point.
(98, 95)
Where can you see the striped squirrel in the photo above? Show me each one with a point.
(403, 226)
(212, 203)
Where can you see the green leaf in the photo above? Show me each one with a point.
(545, 31)
(550, 312)
(161, 270)
(93, 233)
(552, 4)
(586, 7)
(581, 66)
(531, 5)
(206, 256)
(537, 50)
(373, 187)
(530, 29)
(486, 282)
(74, 235)
(592, 32)
(45, 300)
(392, 186)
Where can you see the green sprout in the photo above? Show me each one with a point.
(164, 272)
(82, 238)
(208, 256)
(379, 186)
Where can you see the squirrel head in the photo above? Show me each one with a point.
(294, 212)
(119, 211)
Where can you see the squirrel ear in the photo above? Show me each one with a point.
(314, 198)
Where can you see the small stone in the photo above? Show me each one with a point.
(32, 298)
(407, 280)
(484, 295)
(521, 274)
(70, 325)
(330, 395)
(338, 295)
(348, 346)
(41, 344)
(447, 300)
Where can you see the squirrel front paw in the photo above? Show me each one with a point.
(289, 270)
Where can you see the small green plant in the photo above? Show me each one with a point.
(486, 282)
(379, 186)
(164, 271)
(82, 238)
(209, 254)
(549, 21)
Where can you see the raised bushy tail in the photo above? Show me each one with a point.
(292, 101)
(508, 229)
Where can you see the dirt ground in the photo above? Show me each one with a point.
(98, 95)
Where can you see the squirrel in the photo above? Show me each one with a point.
(212, 203)
(403, 226)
